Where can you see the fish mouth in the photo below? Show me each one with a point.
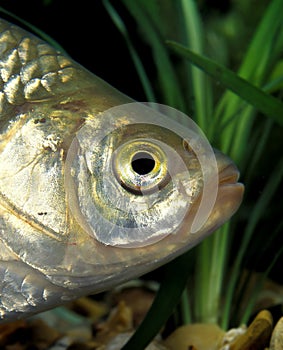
(227, 171)
(230, 191)
(228, 198)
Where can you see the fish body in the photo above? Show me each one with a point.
(95, 189)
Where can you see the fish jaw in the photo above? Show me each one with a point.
(229, 195)
(228, 182)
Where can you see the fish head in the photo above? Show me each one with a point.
(146, 172)
(144, 188)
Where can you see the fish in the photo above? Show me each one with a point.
(95, 188)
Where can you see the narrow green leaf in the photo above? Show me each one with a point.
(166, 300)
(265, 41)
(211, 267)
(258, 141)
(263, 52)
(194, 38)
(186, 308)
(265, 103)
(168, 83)
(145, 81)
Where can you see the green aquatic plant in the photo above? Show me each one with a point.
(239, 119)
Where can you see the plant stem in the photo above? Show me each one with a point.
(211, 266)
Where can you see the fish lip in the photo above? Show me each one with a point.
(229, 175)
(228, 199)
(230, 191)
(228, 172)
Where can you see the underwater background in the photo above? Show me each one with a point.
(87, 31)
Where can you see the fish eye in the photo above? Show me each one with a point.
(141, 166)
(143, 163)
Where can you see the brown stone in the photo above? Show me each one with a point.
(257, 335)
(276, 342)
(196, 336)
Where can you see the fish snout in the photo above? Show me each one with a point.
(230, 191)
(227, 170)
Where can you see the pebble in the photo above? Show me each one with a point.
(199, 336)
(276, 342)
(257, 335)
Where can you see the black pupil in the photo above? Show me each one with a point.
(143, 163)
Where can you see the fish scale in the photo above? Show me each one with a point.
(29, 68)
